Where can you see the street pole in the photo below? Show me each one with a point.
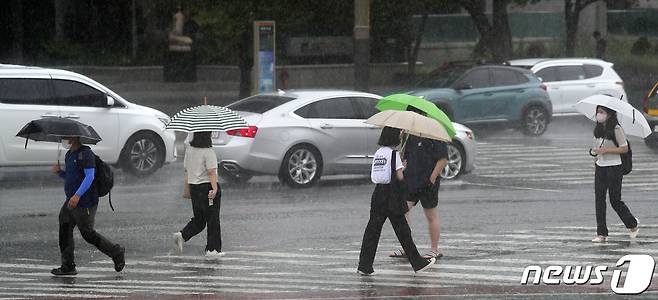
(133, 29)
(361, 44)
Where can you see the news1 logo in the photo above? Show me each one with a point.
(638, 275)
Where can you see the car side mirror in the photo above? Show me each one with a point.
(110, 101)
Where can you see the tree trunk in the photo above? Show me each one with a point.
(17, 31)
(60, 15)
(572, 10)
(413, 57)
(475, 9)
(245, 62)
(501, 42)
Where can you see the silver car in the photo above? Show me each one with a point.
(300, 135)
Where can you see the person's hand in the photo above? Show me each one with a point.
(404, 163)
(56, 169)
(600, 150)
(212, 194)
(73, 201)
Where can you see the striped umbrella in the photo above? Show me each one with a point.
(206, 118)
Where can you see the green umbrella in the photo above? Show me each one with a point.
(402, 101)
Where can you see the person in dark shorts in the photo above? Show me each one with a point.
(425, 160)
(80, 206)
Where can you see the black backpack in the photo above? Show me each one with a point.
(626, 158)
(103, 179)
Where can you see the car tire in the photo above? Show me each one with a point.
(534, 121)
(143, 154)
(652, 141)
(456, 162)
(301, 167)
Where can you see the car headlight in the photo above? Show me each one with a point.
(165, 120)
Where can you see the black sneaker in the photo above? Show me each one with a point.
(64, 271)
(430, 262)
(119, 259)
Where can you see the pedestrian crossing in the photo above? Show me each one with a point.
(555, 166)
(472, 261)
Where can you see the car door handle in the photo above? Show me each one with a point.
(520, 91)
(326, 126)
(72, 116)
(49, 115)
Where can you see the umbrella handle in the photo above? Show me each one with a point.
(404, 143)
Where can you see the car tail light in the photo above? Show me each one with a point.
(469, 135)
(244, 132)
(543, 87)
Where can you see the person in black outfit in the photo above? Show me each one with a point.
(79, 209)
(386, 202)
(425, 160)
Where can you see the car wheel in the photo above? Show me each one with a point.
(143, 154)
(535, 121)
(301, 167)
(234, 178)
(456, 162)
(652, 141)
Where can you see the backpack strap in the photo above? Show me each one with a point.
(109, 199)
(393, 162)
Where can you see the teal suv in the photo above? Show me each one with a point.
(487, 94)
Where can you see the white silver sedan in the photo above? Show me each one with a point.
(300, 135)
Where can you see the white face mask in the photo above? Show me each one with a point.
(601, 117)
(66, 144)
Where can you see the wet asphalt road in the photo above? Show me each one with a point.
(530, 201)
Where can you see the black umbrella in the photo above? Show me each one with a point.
(55, 129)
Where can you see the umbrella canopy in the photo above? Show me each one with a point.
(54, 129)
(206, 118)
(412, 123)
(630, 119)
(402, 101)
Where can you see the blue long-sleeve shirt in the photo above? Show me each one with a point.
(79, 176)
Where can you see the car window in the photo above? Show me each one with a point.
(592, 71)
(73, 93)
(259, 103)
(548, 74)
(571, 73)
(475, 79)
(337, 108)
(502, 77)
(25, 91)
(366, 107)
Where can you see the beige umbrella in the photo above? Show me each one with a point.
(411, 123)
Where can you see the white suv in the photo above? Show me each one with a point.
(133, 135)
(569, 80)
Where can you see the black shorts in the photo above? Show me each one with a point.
(428, 196)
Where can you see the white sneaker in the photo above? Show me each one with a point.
(178, 242)
(431, 262)
(600, 239)
(633, 233)
(214, 253)
(364, 273)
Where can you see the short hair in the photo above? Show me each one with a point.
(390, 137)
(201, 140)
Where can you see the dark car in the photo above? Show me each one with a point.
(492, 93)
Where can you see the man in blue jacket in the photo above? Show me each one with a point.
(79, 208)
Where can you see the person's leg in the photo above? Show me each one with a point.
(432, 215)
(600, 188)
(198, 221)
(403, 233)
(214, 233)
(371, 240)
(85, 219)
(614, 179)
(66, 242)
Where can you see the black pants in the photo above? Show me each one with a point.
(204, 214)
(609, 179)
(84, 219)
(378, 215)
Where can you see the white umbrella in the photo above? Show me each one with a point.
(412, 123)
(206, 118)
(630, 119)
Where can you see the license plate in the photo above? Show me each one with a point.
(215, 134)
